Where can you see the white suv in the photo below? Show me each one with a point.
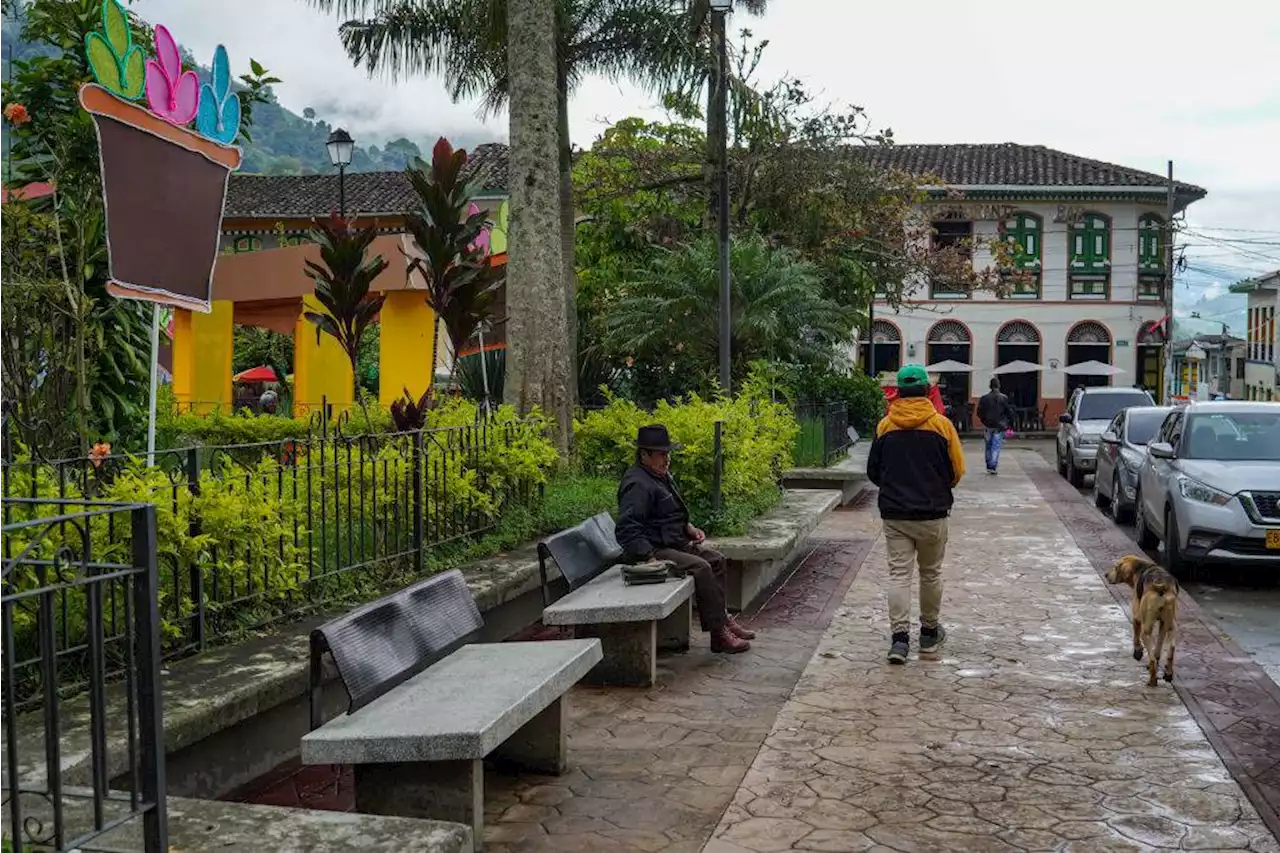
(1080, 427)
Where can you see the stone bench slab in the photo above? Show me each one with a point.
(606, 599)
(461, 708)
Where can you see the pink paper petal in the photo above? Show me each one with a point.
(473, 210)
(186, 98)
(167, 53)
(158, 92)
(482, 241)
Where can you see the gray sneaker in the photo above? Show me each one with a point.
(900, 648)
(931, 639)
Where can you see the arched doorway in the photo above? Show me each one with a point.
(1087, 341)
(1150, 351)
(950, 339)
(886, 348)
(1018, 340)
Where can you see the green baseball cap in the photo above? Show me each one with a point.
(913, 376)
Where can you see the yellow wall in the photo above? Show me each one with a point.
(321, 372)
(405, 357)
(202, 358)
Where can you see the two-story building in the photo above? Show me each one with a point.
(1262, 350)
(1089, 237)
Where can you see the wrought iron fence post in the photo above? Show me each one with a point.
(146, 591)
(717, 476)
(418, 508)
(195, 571)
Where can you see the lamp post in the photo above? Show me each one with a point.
(341, 146)
(720, 10)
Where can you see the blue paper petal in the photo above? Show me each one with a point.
(207, 113)
(230, 126)
(221, 72)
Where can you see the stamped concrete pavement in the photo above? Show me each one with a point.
(1032, 730)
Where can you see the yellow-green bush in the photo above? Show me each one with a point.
(757, 440)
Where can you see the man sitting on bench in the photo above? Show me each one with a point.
(653, 524)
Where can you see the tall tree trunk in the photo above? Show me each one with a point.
(538, 349)
(567, 230)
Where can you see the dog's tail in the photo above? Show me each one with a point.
(1164, 587)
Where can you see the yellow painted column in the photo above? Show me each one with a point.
(202, 345)
(404, 360)
(321, 371)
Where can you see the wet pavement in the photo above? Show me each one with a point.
(1032, 730)
(1244, 603)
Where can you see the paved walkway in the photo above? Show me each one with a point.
(1032, 731)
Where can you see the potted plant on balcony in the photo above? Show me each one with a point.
(163, 183)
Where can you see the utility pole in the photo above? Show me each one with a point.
(1167, 349)
(719, 12)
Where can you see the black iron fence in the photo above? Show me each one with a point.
(253, 534)
(80, 602)
(824, 433)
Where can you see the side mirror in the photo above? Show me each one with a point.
(1161, 450)
(1110, 437)
(1064, 418)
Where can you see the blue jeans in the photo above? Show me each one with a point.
(992, 440)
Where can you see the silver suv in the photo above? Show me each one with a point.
(1209, 488)
(1080, 427)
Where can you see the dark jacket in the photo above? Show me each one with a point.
(651, 514)
(916, 460)
(994, 411)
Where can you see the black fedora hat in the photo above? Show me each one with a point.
(655, 437)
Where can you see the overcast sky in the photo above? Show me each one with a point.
(1135, 82)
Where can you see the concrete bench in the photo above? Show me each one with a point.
(631, 622)
(427, 709)
(772, 542)
(849, 477)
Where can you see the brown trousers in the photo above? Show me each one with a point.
(707, 568)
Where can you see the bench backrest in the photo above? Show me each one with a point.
(582, 552)
(384, 643)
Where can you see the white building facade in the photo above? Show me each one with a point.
(1090, 239)
(1262, 347)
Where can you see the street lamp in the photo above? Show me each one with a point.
(341, 146)
(720, 9)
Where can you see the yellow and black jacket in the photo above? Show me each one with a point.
(916, 460)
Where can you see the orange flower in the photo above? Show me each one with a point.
(16, 114)
(100, 451)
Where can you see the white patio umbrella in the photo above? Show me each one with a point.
(1017, 366)
(949, 366)
(1092, 368)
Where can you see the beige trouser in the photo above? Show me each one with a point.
(908, 542)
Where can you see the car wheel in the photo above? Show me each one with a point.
(1146, 539)
(1100, 500)
(1074, 477)
(1174, 560)
(1119, 512)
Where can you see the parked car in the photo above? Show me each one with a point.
(1121, 449)
(1088, 412)
(1209, 488)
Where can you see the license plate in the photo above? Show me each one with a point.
(1273, 540)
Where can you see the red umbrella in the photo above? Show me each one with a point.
(262, 373)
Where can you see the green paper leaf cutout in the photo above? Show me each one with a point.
(134, 80)
(103, 63)
(115, 23)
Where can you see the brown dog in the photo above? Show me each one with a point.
(1155, 600)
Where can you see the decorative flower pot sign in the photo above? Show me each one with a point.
(163, 184)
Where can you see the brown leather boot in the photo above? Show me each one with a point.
(724, 641)
(738, 631)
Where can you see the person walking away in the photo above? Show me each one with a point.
(996, 415)
(915, 460)
(653, 524)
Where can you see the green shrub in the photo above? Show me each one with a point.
(860, 392)
(757, 440)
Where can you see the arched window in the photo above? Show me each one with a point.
(883, 332)
(949, 332)
(247, 243)
(1018, 332)
(1090, 252)
(1089, 332)
(294, 240)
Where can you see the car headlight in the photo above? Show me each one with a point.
(1198, 491)
(1087, 440)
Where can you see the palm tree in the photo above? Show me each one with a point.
(667, 314)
